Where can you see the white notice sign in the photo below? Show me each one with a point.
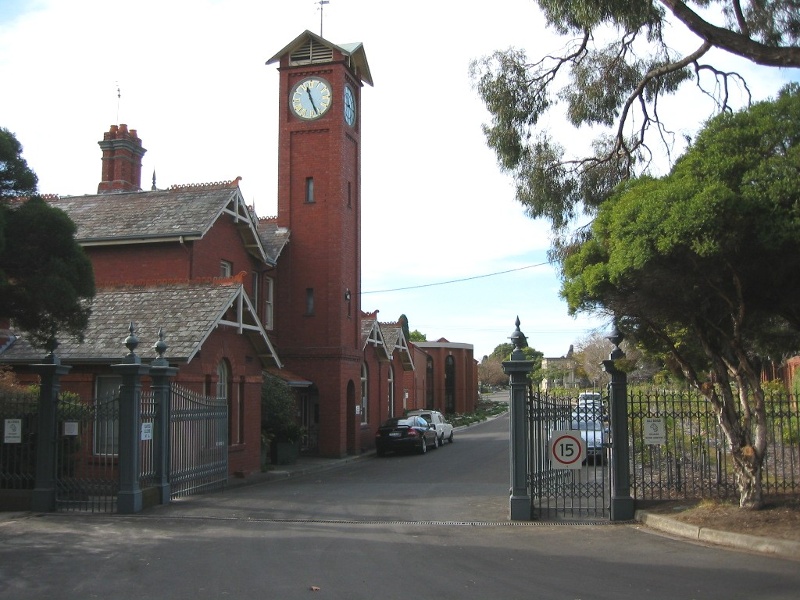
(147, 431)
(12, 433)
(654, 432)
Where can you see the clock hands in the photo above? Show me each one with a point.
(310, 97)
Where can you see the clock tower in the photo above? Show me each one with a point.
(317, 301)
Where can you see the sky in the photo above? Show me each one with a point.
(443, 239)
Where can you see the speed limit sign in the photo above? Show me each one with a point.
(567, 450)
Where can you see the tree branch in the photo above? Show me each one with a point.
(735, 43)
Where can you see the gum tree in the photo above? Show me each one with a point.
(609, 82)
(701, 266)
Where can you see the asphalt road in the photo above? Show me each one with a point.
(418, 526)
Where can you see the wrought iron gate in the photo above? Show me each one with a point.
(565, 494)
(199, 443)
(86, 450)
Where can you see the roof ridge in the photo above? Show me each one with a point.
(234, 279)
(218, 185)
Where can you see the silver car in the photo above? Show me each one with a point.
(594, 432)
(444, 430)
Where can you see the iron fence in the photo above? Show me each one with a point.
(685, 455)
(18, 416)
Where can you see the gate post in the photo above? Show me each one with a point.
(161, 373)
(518, 369)
(622, 505)
(129, 498)
(43, 498)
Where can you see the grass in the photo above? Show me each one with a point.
(484, 410)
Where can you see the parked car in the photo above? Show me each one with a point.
(444, 430)
(590, 403)
(594, 432)
(407, 434)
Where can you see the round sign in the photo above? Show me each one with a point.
(567, 450)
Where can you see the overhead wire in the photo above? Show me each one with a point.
(425, 285)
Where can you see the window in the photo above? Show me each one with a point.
(364, 392)
(256, 282)
(225, 268)
(349, 195)
(224, 392)
(391, 391)
(309, 301)
(310, 190)
(106, 415)
(450, 384)
(268, 302)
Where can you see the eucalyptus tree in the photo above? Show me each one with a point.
(618, 65)
(701, 266)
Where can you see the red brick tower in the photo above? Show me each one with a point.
(319, 202)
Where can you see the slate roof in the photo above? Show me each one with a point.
(186, 212)
(371, 334)
(273, 238)
(188, 312)
(395, 340)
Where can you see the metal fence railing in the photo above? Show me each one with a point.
(690, 460)
(18, 413)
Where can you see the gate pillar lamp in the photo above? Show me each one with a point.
(518, 368)
(622, 504)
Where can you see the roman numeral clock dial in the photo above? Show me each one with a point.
(311, 98)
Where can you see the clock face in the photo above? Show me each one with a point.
(311, 98)
(349, 106)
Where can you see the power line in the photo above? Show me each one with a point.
(425, 285)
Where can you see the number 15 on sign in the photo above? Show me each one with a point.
(567, 450)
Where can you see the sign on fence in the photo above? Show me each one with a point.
(654, 432)
(12, 434)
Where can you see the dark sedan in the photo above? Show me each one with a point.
(410, 434)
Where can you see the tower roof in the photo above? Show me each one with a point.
(309, 48)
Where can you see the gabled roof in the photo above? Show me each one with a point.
(395, 341)
(273, 238)
(181, 213)
(188, 312)
(371, 335)
(309, 48)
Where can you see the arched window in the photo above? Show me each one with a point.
(364, 392)
(450, 385)
(224, 391)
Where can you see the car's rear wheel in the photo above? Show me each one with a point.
(450, 439)
(424, 447)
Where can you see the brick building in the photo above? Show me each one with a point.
(236, 296)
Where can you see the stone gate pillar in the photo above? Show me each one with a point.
(43, 498)
(161, 374)
(622, 504)
(518, 369)
(129, 498)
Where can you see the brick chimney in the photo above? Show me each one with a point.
(122, 160)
